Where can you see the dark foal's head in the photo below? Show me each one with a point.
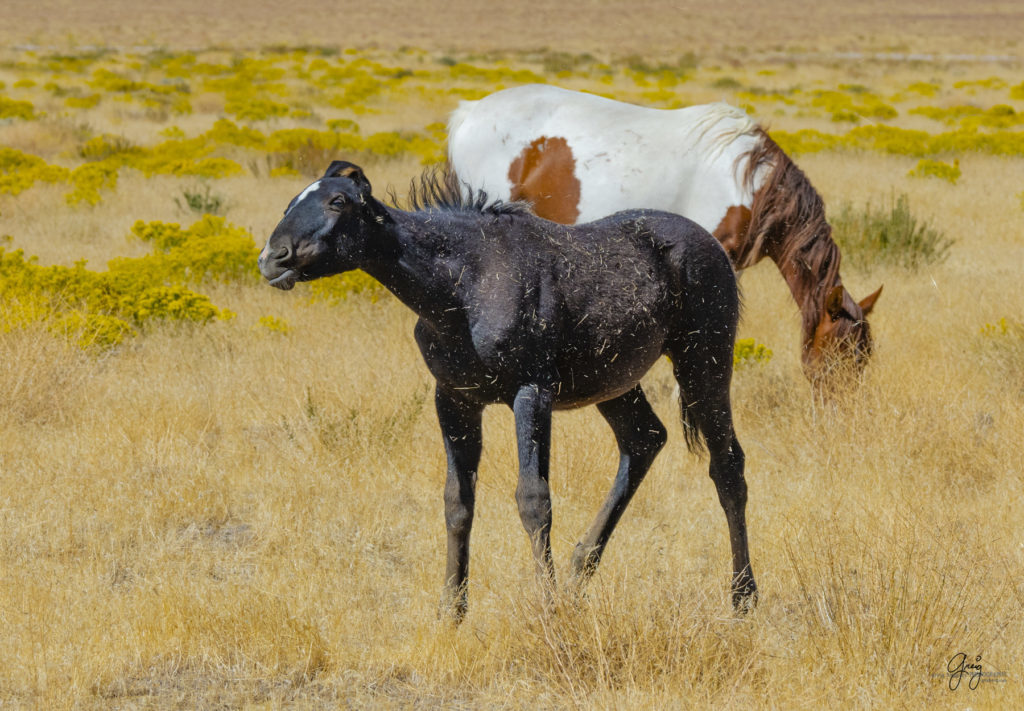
(842, 336)
(324, 229)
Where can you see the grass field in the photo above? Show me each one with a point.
(217, 495)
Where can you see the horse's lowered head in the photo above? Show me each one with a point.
(842, 335)
(324, 230)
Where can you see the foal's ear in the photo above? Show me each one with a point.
(868, 302)
(344, 169)
(834, 302)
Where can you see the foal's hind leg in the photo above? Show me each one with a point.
(704, 400)
(532, 408)
(640, 436)
(460, 426)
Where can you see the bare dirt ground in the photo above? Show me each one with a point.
(654, 27)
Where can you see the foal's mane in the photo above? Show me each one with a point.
(788, 220)
(439, 188)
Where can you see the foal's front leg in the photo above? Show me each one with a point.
(460, 426)
(532, 408)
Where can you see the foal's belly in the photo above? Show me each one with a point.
(603, 373)
(585, 372)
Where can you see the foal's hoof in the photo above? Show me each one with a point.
(744, 596)
(453, 608)
(584, 562)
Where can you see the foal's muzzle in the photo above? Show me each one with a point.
(284, 281)
(273, 266)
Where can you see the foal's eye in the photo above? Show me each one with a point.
(338, 201)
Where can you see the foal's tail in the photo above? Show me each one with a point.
(702, 347)
(691, 426)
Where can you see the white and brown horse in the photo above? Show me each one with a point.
(577, 157)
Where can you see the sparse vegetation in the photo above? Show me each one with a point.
(888, 233)
(201, 201)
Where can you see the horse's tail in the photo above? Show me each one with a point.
(457, 118)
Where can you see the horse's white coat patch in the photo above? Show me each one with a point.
(312, 188)
(687, 161)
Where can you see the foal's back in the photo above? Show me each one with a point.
(605, 299)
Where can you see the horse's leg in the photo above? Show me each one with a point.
(704, 385)
(532, 408)
(640, 436)
(460, 426)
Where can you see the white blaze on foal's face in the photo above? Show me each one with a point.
(311, 189)
(301, 196)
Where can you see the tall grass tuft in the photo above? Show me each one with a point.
(888, 234)
(201, 201)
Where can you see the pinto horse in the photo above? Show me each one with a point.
(577, 157)
(517, 310)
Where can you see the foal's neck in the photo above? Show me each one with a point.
(411, 258)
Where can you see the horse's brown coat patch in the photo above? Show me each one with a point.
(544, 174)
(732, 230)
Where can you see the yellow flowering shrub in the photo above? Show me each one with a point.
(754, 94)
(77, 63)
(82, 102)
(343, 126)
(274, 325)
(973, 117)
(94, 308)
(335, 289)
(210, 250)
(1002, 327)
(175, 160)
(12, 109)
(846, 107)
(89, 179)
(106, 146)
(902, 141)
(392, 144)
(936, 169)
(294, 139)
(20, 171)
(747, 352)
(102, 308)
(167, 94)
(245, 107)
(110, 81)
(988, 83)
(924, 88)
(497, 75)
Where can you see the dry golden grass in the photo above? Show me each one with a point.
(226, 516)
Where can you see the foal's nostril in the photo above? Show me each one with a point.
(281, 253)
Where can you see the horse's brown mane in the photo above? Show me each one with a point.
(788, 224)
